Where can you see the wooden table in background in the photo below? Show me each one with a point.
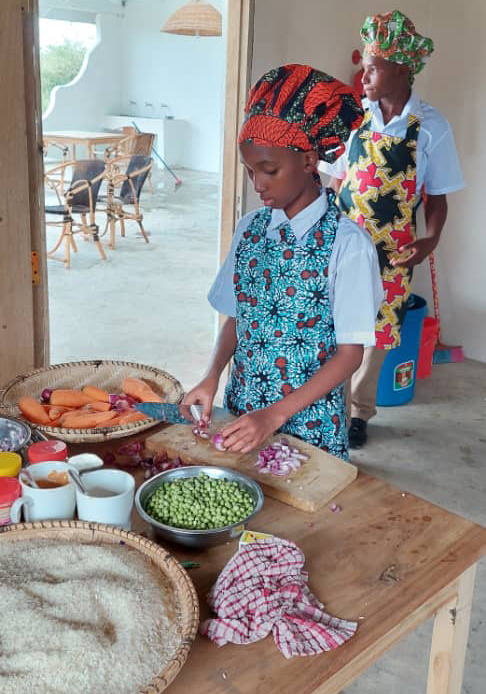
(71, 138)
(388, 559)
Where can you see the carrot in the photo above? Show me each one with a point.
(140, 390)
(87, 420)
(97, 406)
(55, 411)
(130, 417)
(33, 410)
(55, 423)
(96, 393)
(69, 398)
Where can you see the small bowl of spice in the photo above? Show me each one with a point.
(199, 505)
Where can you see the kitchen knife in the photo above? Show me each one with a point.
(170, 413)
(164, 411)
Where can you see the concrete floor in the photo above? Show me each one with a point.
(147, 303)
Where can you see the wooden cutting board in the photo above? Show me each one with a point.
(319, 479)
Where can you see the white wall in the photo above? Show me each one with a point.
(324, 33)
(96, 90)
(185, 72)
(136, 62)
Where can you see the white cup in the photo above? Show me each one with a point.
(85, 461)
(57, 503)
(115, 507)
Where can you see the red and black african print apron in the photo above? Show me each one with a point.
(285, 327)
(379, 193)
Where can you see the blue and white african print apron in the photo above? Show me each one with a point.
(285, 329)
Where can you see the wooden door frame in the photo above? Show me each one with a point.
(24, 325)
(239, 53)
(24, 319)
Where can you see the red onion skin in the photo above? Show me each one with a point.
(279, 459)
(218, 442)
(46, 395)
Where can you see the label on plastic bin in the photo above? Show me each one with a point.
(403, 375)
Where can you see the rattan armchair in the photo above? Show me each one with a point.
(134, 143)
(76, 205)
(125, 204)
(56, 178)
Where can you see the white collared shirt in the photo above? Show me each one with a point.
(355, 286)
(438, 165)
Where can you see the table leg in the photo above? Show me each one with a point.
(449, 639)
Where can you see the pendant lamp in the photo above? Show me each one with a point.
(197, 18)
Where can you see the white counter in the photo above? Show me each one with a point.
(171, 134)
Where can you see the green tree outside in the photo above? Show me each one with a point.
(59, 64)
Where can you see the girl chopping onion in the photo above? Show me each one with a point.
(301, 285)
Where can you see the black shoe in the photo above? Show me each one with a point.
(357, 432)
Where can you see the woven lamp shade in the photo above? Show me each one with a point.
(194, 19)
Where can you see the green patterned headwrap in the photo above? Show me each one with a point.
(392, 36)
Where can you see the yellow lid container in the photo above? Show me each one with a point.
(10, 464)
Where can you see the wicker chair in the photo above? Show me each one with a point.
(79, 200)
(134, 143)
(125, 204)
(56, 178)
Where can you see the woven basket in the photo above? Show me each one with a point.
(104, 374)
(93, 533)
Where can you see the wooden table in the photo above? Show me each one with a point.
(388, 559)
(71, 138)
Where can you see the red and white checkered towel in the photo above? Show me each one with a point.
(263, 589)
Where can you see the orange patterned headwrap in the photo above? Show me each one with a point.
(303, 109)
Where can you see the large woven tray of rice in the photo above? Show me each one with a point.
(88, 608)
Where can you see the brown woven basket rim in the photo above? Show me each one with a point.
(91, 362)
(86, 435)
(150, 549)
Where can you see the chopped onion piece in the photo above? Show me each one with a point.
(200, 433)
(218, 442)
(279, 458)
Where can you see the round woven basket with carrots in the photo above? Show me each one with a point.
(88, 401)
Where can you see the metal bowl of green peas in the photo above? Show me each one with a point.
(199, 505)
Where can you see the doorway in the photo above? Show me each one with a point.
(140, 321)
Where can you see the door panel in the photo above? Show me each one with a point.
(23, 304)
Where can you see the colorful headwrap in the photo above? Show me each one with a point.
(392, 36)
(303, 109)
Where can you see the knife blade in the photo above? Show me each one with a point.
(170, 413)
(164, 411)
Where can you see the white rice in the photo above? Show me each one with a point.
(82, 619)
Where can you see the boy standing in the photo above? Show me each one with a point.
(301, 284)
(402, 146)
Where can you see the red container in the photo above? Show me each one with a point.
(43, 451)
(9, 491)
(430, 335)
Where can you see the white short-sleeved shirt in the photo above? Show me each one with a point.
(438, 165)
(355, 286)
